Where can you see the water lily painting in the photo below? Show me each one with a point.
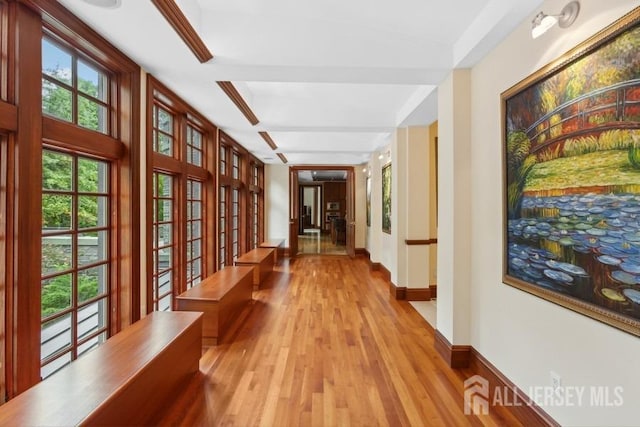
(386, 198)
(572, 179)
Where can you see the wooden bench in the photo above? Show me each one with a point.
(262, 260)
(278, 248)
(128, 380)
(221, 297)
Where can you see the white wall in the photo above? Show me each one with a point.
(360, 206)
(277, 202)
(374, 231)
(524, 336)
(454, 207)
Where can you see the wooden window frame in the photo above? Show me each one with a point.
(74, 269)
(182, 170)
(239, 181)
(24, 23)
(255, 218)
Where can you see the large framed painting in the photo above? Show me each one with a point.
(368, 189)
(571, 149)
(386, 198)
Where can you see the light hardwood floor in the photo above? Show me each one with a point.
(323, 344)
(319, 243)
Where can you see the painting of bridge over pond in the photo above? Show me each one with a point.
(572, 179)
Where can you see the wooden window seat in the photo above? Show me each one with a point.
(262, 260)
(278, 248)
(128, 380)
(221, 297)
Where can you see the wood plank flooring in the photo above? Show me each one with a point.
(319, 243)
(323, 344)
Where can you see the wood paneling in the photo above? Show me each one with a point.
(237, 99)
(179, 22)
(126, 381)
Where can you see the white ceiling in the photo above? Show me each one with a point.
(329, 80)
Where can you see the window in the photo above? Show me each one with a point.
(163, 241)
(182, 195)
(194, 232)
(75, 257)
(74, 183)
(256, 204)
(74, 89)
(235, 224)
(222, 239)
(255, 229)
(240, 201)
(162, 131)
(194, 146)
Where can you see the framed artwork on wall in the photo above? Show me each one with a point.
(333, 206)
(571, 173)
(368, 189)
(386, 198)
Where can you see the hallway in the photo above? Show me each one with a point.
(324, 344)
(316, 243)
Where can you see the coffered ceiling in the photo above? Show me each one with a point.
(328, 80)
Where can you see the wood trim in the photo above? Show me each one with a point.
(269, 140)
(362, 252)
(374, 266)
(456, 356)
(386, 274)
(70, 28)
(283, 158)
(181, 25)
(25, 319)
(418, 294)
(526, 412)
(397, 292)
(409, 242)
(434, 291)
(72, 137)
(237, 99)
(8, 116)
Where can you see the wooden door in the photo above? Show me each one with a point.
(294, 209)
(351, 214)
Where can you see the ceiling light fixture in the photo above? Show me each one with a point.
(542, 22)
(108, 4)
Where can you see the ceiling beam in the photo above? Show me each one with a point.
(269, 140)
(283, 158)
(237, 99)
(179, 22)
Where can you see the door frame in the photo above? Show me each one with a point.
(294, 204)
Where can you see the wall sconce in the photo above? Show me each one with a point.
(542, 22)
